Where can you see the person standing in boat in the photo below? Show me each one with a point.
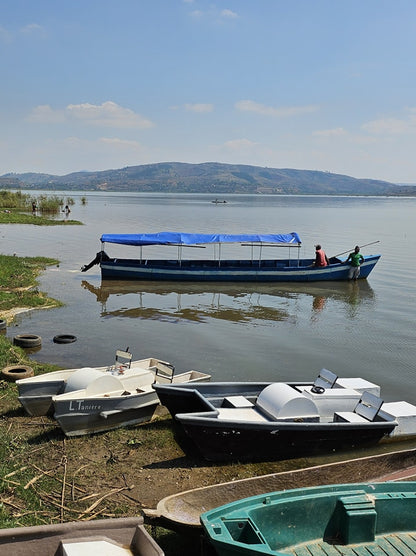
(355, 259)
(320, 257)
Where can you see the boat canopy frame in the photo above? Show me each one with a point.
(181, 240)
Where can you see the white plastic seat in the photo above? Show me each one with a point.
(366, 410)
(123, 359)
(164, 372)
(325, 379)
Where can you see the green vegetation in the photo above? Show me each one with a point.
(22, 208)
(18, 286)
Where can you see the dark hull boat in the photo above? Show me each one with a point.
(271, 421)
(218, 269)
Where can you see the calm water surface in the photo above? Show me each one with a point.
(253, 332)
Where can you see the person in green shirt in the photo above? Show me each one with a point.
(355, 259)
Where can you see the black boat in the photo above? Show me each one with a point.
(244, 421)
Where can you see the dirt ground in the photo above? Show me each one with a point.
(119, 472)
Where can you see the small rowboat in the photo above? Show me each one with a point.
(347, 519)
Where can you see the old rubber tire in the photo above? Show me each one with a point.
(64, 338)
(15, 372)
(27, 340)
(3, 324)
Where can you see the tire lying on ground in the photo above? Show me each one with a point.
(3, 324)
(64, 338)
(15, 372)
(27, 340)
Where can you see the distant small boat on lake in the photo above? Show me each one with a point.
(218, 269)
(218, 201)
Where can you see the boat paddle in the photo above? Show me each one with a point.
(349, 250)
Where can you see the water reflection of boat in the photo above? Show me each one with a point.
(235, 303)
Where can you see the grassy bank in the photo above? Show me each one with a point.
(23, 208)
(18, 284)
(16, 217)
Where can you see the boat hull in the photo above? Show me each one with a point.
(48, 540)
(230, 441)
(78, 413)
(230, 271)
(348, 519)
(226, 422)
(36, 393)
(93, 416)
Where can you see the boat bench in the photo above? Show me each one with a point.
(240, 408)
(236, 401)
(366, 410)
(241, 414)
(358, 519)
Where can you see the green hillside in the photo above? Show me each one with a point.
(209, 177)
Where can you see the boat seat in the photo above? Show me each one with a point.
(123, 359)
(325, 379)
(164, 372)
(236, 401)
(366, 410)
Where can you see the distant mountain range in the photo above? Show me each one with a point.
(209, 177)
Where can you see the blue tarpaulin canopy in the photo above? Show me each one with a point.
(178, 238)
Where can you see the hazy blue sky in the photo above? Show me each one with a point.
(307, 84)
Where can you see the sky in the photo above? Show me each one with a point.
(308, 84)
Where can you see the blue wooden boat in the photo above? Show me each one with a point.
(217, 269)
(371, 519)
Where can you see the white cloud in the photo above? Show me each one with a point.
(108, 114)
(32, 28)
(120, 143)
(199, 107)
(282, 112)
(392, 126)
(44, 114)
(336, 132)
(228, 14)
(387, 125)
(238, 144)
(214, 14)
(197, 13)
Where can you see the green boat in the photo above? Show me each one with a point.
(369, 519)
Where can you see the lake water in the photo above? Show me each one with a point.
(251, 332)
